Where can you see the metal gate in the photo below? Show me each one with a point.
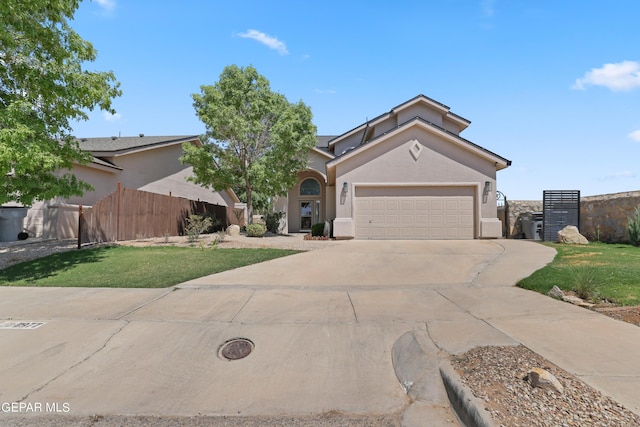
(560, 208)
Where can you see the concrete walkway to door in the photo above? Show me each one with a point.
(329, 329)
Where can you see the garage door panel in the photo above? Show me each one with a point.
(407, 204)
(392, 219)
(437, 220)
(407, 219)
(414, 217)
(378, 205)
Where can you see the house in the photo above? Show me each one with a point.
(406, 174)
(147, 163)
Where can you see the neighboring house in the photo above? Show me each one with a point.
(147, 163)
(406, 174)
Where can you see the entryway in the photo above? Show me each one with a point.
(309, 214)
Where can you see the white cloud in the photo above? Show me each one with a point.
(621, 76)
(487, 7)
(270, 42)
(635, 135)
(619, 175)
(325, 91)
(107, 5)
(111, 117)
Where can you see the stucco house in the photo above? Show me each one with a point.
(406, 174)
(147, 163)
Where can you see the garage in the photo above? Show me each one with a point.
(414, 213)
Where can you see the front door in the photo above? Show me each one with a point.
(309, 214)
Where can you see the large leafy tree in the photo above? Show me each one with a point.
(255, 140)
(43, 88)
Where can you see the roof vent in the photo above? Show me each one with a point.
(114, 138)
(141, 135)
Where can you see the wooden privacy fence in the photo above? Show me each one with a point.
(129, 214)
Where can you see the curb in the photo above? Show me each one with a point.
(464, 403)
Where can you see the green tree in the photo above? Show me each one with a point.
(43, 88)
(255, 139)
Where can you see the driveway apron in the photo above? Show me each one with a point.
(324, 328)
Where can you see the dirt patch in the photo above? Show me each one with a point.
(626, 314)
(583, 259)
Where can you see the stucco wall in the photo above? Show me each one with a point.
(103, 182)
(420, 110)
(440, 162)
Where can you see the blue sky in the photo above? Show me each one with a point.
(552, 85)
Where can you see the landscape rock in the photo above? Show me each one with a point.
(541, 378)
(233, 230)
(577, 301)
(571, 235)
(555, 292)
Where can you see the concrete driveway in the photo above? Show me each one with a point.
(329, 329)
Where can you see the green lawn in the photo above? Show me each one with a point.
(131, 267)
(611, 270)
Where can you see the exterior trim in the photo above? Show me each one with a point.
(500, 162)
(461, 121)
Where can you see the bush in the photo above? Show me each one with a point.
(584, 282)
(317, 229)
(272, 220)
(256, 230)
(633, 228)
(196, 225)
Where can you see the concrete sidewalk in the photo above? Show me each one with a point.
(329, 329)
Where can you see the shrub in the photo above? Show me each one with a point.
(317, 229)
(272, 221)
(584, 282)
(196, 225)
(633, 228)
(256, 230)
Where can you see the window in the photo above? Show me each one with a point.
(310, 187)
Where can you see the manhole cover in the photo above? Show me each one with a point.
(237, 348)
(20, 325)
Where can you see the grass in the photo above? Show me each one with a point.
(131, 267)
(599, 270)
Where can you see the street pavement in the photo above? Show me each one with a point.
(357, 329)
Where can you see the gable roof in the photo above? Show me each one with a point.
(500, 162)
(461, 121)
(115, 145)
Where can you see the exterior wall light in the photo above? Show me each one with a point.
(345, 187)
(487, 186)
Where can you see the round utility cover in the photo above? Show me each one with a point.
(237, 348)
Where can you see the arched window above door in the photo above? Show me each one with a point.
(310, 187)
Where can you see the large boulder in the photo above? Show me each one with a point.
(538, 377)
(571, 235)
(233, 230)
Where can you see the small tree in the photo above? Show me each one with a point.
(43, 87)
(255, 139)
(633, 228)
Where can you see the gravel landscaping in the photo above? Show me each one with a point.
(496, 375)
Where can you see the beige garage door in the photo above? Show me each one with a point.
(381, 214)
